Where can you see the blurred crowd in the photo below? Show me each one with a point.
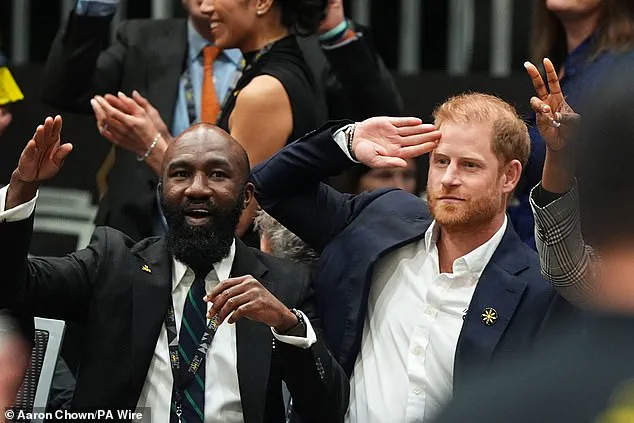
(276, 242)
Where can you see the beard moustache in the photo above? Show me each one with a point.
(470, 214)
(199, 247)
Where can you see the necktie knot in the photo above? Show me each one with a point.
(210, 53)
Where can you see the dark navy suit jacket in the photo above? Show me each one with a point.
(353, 232)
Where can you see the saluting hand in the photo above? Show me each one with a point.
(246, 297)
(381, 142)
(554, 116)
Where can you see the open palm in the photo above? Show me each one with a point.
(554, 115)
(386, 141)
(44, 154)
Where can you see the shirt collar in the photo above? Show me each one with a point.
(196, 43)
(222, 268)
(579, 56)
(474, 261)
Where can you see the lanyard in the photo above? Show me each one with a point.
(189, 90)
(181, 381)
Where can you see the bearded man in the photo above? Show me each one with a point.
(413, 297)
(155, 311)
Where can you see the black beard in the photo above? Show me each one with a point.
(199, 247)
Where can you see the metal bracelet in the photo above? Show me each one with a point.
(150, 148)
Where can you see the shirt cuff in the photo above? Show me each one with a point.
(21, 212)
(96, 7)
(299, 341)
(342, 142)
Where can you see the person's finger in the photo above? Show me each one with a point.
(417, 150)
(30, 151)
(117, 103)
(141, 101)
(57, 127)
(221, 299)
(99, 112)
(111, 112)
(234, 303)
(245, 310)
(49, 124)
(539, 106)
(226, 284)
(40, 137)
(130, 104)
(388, 162)
(61, 153)
(415, 130)
(538, 81)
(419, 139)
(568, 118)
(401, 122)
(553, 79)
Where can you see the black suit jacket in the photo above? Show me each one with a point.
(123, 308)
(354, 232)
(149, 56)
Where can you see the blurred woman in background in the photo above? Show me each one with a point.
(276, 100)
(584, 39)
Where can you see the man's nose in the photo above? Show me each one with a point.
(199, 186)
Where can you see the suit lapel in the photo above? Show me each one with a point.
(163, 76)
(151, 294)
(253, 343)
(498, 289)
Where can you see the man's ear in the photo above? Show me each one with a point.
(512, 174)
(249, 188)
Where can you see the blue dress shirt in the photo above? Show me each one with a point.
(225, 70)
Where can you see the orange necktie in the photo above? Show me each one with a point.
(210, 108)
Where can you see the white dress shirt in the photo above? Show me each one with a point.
(404, 370)
(222, 392)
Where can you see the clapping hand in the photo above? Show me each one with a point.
(381, 142)
(133, 124)
(554, 116)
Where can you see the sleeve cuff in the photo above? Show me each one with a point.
(567, 201)
(340, 138)
(298, 341)
(96, 7)
(21, 212)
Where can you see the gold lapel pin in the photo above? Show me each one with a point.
(489, 316)
(146, 268)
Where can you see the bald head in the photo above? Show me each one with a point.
(211, 142)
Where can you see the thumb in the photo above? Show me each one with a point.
(61, 153)
(400, 122)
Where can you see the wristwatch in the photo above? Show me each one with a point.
(349, 133)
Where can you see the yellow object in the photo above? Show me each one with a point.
(9, 90)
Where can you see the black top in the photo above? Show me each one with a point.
(284, 61)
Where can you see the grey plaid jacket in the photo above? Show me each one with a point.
(566, 261)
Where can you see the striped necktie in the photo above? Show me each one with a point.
(193, 327)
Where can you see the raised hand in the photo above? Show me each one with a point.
(381, 142)
(554, 116)
(44, 154)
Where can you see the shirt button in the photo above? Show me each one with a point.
(418, 350)
(429, 311)
(417, 390)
